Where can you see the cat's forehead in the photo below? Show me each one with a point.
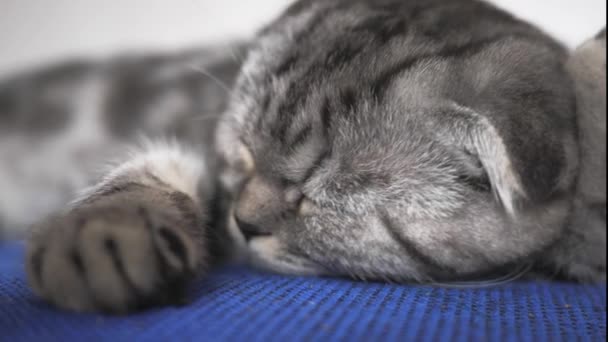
(300, 76)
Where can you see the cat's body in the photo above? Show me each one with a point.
(380, 139)
(64, 127)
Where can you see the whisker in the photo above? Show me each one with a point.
(239, 58)
(212, 77)
(508, 278)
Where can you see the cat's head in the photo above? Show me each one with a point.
(337, 164)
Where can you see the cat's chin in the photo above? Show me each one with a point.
(267, 252)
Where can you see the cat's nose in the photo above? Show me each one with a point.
(258, 208)
(249, 230)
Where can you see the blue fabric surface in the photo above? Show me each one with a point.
(242, 304)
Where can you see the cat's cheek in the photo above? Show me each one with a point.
(268, 253)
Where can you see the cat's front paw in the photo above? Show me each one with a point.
(118, 254)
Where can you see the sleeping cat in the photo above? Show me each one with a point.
(409, 141)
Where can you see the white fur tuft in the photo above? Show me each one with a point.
(168, 161)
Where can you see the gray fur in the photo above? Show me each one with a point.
(582, 249)
(60, 127)
(437, 139)
(420, 140)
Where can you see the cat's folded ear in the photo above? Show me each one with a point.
(523, 175)
(487, 145)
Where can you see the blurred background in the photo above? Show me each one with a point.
(34, 32)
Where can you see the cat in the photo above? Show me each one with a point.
(407, 141)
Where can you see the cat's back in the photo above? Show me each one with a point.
(61, 124)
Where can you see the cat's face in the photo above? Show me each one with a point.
(333, 169)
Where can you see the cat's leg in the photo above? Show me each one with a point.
(133, 240)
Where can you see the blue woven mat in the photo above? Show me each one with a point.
(242, 304)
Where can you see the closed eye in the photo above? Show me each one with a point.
(300, 167)
(478, 183)
(316, 165)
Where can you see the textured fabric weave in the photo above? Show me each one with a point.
(241, 304)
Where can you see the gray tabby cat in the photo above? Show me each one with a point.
(410, 141)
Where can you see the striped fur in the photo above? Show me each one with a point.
(418, 140)
(436, 139)
(63, 126)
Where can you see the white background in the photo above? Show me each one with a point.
(42, 31)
